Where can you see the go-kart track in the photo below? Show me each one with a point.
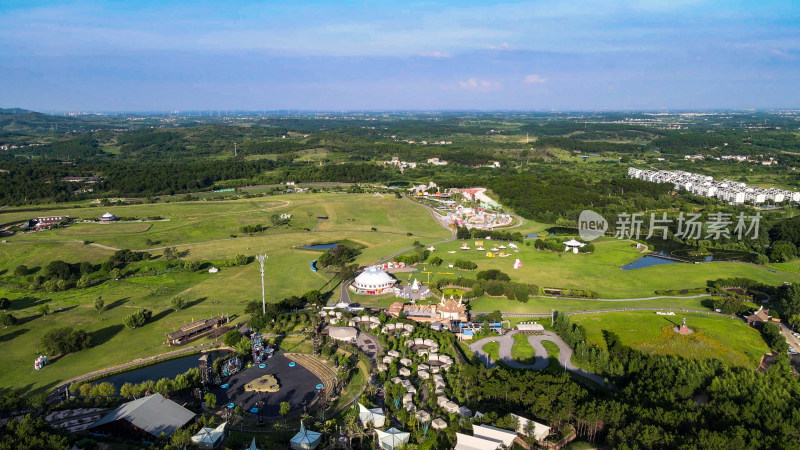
(298, 387)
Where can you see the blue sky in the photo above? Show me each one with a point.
(346, 55)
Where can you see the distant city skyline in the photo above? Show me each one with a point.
(399, 56)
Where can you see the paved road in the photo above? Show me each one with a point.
(541, 360)
(790, 338)
(596, 311)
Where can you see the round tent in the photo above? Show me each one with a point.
(108, 217)
(373, 281)
(346, 334)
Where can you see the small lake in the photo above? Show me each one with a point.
(320, 246)
(531, 236)
(166, 369)
(647, 261)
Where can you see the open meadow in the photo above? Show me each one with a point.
(200, 231)
(730, 340)
(597, 271)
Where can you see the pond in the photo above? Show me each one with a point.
(320, 246)
(647, 261)
(166, 369)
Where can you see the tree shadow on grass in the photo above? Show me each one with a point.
(104, 335)
(196, 301)
(26, 319)
(26, 302)
(116, 303)
(13, 334)
(65, 309)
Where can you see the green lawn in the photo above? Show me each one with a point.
(287, 272)
(202, 221)
(493, 350)
(547, 304)
(730, 340)
(522, 350)
(598, 271)
(553, 353)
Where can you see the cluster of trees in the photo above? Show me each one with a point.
(89, 390)
(137, 319)
(60, 341)
(419, 254)
(252, 229)
(181, 383)
(31, 432)
(497, 284)
(465, 233)
(659, 401)
(259, 320)
(338, 256)
(464, 264)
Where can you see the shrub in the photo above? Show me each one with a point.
(465, 265)
(137, 319)
(64, 340)
(493, 274)
(178, 303)
(7, 320)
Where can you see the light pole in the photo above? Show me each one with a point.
(261, 259)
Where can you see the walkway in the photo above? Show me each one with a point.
(541, 361)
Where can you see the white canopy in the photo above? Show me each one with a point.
(392, 438)
(538, 430)
(209, 437)
(574, 243)
(375, 416)
(305, 439)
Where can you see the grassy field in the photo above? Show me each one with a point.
(493, 350)
(287, 272)
(199, 221)
(522, 350)
(598, 271)
(730, 340)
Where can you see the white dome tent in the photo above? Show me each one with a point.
(373, 281)
(108, 217)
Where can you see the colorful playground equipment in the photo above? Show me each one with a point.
(232, 366)
(40, 362)
(261, 351)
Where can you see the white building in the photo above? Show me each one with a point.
(373, 281)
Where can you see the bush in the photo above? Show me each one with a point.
(5, 303)
(64, 340)
(231, 338)
(137, 319)
(177, 303)
(495, 288)
(493, 274)
(7, 320)
(465, 265)
(773, 337)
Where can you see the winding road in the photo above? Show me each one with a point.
(541, 361)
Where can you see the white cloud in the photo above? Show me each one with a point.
(476, 85)
(503, 46)
(534, 79)
(436, 55)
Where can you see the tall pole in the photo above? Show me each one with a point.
(261, 259)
